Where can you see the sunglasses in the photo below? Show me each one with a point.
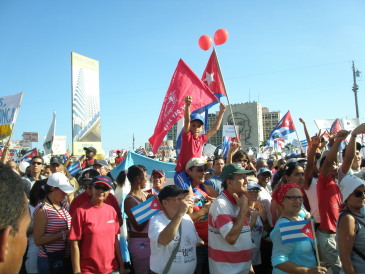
(294, 198)
(200, 169)
(358, 193)
(104, 188)
(36, 163)
(253, 190)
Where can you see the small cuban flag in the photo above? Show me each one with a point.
(296, 231)
(74, 169)
(144, 211)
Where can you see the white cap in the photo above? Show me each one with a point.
(348, 184)
(23, 166)
(60, 180)
(195, 162)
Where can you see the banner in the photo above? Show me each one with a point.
(184, 83)
(20, 144)
(85, 101)
(347, 124)
(59, 145)
(30, 136)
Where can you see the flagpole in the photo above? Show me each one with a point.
(315, 243)
(224, 86)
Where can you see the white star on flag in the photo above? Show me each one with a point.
(209, 78)
(307, 231)
(154, 205)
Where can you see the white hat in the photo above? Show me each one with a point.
(59, 180)
(23, 166)
(348, 184)
(195, 162)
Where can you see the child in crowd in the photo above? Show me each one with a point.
(192, 141)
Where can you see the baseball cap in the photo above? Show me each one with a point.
(60, 180)
(158, 172)
(103, 179)
(263, 170)
(196, 116)
(171, 191)
(235, 168)
(90, 149)
(348, 184)
(56, 160)
(195, 162)
(252, 185)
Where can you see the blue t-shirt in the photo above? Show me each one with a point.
(299, 253)
(216, 182)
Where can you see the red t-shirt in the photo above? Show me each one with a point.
(118, 160)
(329, 202)
(85, 197)
(201, 225)
(190, 148)
(95, 227)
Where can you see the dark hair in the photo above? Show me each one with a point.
(38, 157)
(133, 172)
(238, 155)
(216, 158)
(224, 183)
(13, 203)
(322, 161)
(290, 167)
(357, 147)
(38, 192)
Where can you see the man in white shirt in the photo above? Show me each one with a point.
(173, 228)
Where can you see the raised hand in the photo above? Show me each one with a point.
(188, 100)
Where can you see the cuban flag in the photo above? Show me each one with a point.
(74, 169)
(28, 155)
(144, 211)
(283, 128)
(296, 231)
(304, 143)
(212, 77)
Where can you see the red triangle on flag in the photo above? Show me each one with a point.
(307, 230)
(155, 204)
(212, 75)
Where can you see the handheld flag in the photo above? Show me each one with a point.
(296, 231)
(28, 155)
(284, 127)
(336, 127)
(144, 211)
(74, 169)
(184, 83)
(48, 142)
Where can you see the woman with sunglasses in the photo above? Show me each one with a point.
(293, 174)
(293, 257)
(138, 243)
(94, 233)
(351, 226)
(51, 227)
(258, 218)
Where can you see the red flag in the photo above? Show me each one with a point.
(184, 83)
(336, 127)
(212, 76)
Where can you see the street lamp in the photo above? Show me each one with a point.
(355, 87)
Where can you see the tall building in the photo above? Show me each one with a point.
(269, 120)
(255, 124)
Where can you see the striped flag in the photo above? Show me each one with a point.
(144, 211)
(296, 231)
(74, 169)
(28, 155)
(304, 143)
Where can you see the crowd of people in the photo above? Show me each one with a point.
(220, 215)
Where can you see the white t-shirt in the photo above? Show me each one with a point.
(185, 259)
(265, 199)
(313, 200)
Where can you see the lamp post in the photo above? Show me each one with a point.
(355, 87)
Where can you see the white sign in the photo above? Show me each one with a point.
(30, 136)
(209, 150)
(9, 107)
(59, 145)
(19, 144)
(228, 130)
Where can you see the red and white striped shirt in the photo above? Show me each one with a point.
(224, 257)
(57, 220)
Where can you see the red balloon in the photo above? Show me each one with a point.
(205, 42)
(220, 36)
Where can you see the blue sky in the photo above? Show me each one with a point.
(289, 55)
